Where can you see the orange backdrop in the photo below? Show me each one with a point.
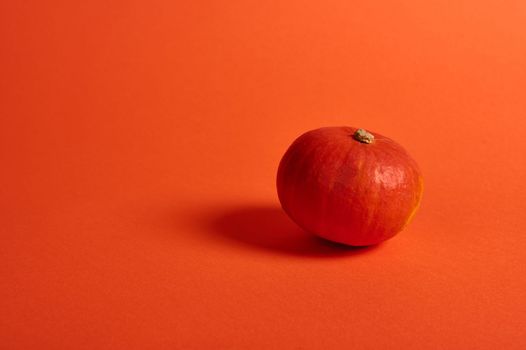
(139, 142)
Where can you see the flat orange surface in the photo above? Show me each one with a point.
(139, 142)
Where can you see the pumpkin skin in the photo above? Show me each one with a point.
(348, 191)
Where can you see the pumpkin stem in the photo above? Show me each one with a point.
(363, 136)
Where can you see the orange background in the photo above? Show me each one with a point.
(139, 142)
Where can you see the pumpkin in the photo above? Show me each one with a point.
(349, 185)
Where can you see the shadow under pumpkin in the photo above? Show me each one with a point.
(269, 228)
